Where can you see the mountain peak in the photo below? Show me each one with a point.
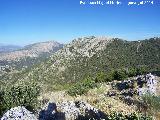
(87, 46)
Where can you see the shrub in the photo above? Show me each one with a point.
(81, 87)
(132, 72)
(141, 70)
(100, 77)
(21, 94)
(104, 77)
(132, 116)
(109, 76)
(119, 75)
(2, 108)
(152, 102)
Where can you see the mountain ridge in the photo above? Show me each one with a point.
(86, 57)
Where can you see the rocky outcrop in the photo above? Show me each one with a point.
(70, 110)
(150, 84)
(18, 113)
(87, 46)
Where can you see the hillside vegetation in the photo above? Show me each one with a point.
(88, 56)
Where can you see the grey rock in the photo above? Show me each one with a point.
(151, 84)
(70, 110)
(18, 113)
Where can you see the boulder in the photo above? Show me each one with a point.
(18, 113)
(111, 93)
(150, 85)
(69, 109)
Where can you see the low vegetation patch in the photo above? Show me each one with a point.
(21, 94)
(152, 104)
(120, 74)
(132, 116)
(82, 87)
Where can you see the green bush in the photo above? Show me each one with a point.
(141, 70)
(2, 108)
(82, 87)
(104, 77)
(132, 72)
(109, 76)
(132, 116)
(100, 77)
(152, 102)
(21, 94)
(119, 75)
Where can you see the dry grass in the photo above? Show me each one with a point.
(95, 97)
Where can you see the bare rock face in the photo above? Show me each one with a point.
(88, 46)
(18, 113)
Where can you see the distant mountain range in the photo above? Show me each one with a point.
(27, 56)
(33, 50)
(8, 48)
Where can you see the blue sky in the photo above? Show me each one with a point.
(28, 21)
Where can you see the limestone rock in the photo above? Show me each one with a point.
(18, 113)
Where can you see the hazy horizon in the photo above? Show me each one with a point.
(29, 43)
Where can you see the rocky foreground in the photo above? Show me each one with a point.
(98, 103)
(68, 110)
